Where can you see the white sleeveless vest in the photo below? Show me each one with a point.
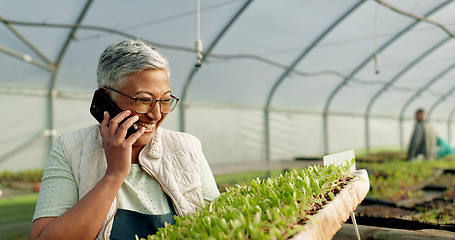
(172, 158)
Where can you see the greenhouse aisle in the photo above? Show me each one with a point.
(347, 232)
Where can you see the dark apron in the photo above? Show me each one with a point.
(127, 224)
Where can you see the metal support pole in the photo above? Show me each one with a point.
(186, 86)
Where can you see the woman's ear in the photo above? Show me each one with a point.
(104, 90)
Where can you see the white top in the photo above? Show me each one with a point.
(139, 192)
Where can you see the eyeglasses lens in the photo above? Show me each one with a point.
(144, 105)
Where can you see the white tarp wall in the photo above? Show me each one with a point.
(229, 134)
(279, 79)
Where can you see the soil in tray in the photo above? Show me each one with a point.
(389, 216)
(383, 211)
(399, 223)
(435, 204)
(421, 215)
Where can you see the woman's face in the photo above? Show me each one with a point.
(148, 83)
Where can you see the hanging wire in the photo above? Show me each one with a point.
(423, 19)
(375, 37)
(198, 49)
(198, 43)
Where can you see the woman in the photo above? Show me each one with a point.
(97, 184)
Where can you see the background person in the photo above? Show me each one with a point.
(444, 148)
(423, 140)
(97, 184)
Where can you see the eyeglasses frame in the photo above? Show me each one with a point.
(154, 104)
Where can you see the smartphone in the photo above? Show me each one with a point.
(101, 102)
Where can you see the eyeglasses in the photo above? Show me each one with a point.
(145, 105)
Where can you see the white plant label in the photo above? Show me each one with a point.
(340, 158)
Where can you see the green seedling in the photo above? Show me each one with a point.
(273, 208)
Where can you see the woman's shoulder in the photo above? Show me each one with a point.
(172, 133)
(80, 136)
(180, 138)
(82, 132)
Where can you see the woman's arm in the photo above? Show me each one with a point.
(85, 219)
(209, 188)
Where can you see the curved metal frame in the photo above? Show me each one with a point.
(358, 68)
(394, 79)
(289, 69)
(415, 95)
(439, 101)
(48, 65)
(204, 55)
(54, 68)
(449, 125)
(53, 91)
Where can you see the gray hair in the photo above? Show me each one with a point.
(127, 57)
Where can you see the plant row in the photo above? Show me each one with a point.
(275, 208)
(397, 180)
(32, 176)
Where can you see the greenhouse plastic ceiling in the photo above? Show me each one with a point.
(368, 59)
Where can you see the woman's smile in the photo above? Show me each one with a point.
(149, 127)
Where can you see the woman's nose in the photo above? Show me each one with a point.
(155, 114)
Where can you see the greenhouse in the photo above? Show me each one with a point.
(257, 81)
(276, 81)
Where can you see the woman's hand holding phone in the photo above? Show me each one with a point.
(101, 103)
(118, 150)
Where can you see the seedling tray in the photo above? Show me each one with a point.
(329, 219)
